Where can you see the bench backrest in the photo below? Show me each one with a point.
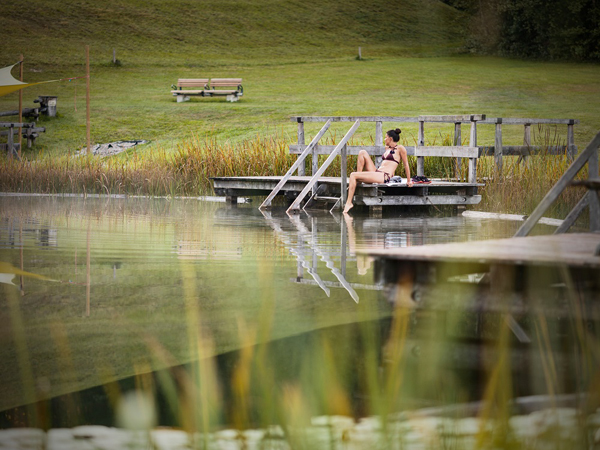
(192, 82)
(225, 82)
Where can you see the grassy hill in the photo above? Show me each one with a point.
(204, 32)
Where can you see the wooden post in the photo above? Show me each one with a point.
(87, 97)
(88, 279)
(593, 198)
(10, 142)
(457, 142)
(421, 143)
(344, 245)
(22, 282)
(571, 151)
(378, 140)
(114, 55)
(526, 140)
(344, 175)
(473, 161)
(20, 102)
(359, 54)
(315, 166)
(302, 167)
(498, 147)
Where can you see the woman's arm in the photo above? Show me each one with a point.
(406, 168)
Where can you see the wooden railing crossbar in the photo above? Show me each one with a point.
(590, 156)
(295, 166)
(315, 178)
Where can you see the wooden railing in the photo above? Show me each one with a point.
(456, 150)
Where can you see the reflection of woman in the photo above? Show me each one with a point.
(366, 171)
(363, 262)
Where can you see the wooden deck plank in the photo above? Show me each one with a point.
(575, 249)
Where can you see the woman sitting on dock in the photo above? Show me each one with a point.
(366, 171)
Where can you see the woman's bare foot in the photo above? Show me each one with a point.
(348, 208)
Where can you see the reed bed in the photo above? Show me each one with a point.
(186, 171)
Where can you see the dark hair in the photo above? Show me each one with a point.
(394, 134)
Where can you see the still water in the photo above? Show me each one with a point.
(102, 294)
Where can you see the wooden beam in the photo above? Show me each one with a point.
(593, 177)
(375, 150)
(453, 119)
(354, 119)
(472, 177)
(20, 101)
(344, 176)
(464, 119)
(417, 200)
(498, 142)
(378, 141)
(17, 125)
(302, 166)
(519, 121)
(448, 151)
(87, 100)
(572, 149)
(421, 143)
(457, 142)
(518, 150)
(573, 215)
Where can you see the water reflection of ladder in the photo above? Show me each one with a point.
(312, 185)
(307, 240)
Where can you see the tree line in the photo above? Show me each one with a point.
(546, 29)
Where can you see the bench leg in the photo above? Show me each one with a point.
(182, 98)
(232, 98)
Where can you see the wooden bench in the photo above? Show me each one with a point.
(214, 87)
(217, 85)
(185, 88)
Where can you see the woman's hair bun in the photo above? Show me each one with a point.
(398, 130)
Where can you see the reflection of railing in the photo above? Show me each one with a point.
(306, 242)
(589, 156)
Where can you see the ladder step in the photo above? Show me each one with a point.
(327, 199)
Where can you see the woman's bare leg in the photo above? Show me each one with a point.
(365, 177)
(364, 162)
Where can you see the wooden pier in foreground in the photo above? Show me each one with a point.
(516, 264)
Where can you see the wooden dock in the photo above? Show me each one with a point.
(437, 193)
(577, 250)
(513, 268)
(307, 192)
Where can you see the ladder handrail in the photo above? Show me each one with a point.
(559, 187)
(295, 166)
(324, 166)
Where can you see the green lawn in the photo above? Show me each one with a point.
(135, 102)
